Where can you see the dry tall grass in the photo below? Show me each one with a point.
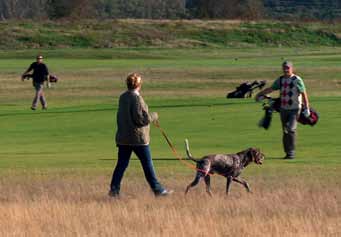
(56, 205)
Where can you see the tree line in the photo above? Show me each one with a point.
(57, 9)
(166, 9)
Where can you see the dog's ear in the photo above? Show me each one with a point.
(257, 155)
(251, 153)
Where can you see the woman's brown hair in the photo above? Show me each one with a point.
(133, 81)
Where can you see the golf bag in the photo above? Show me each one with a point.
(269, 106)
(245, 89)
(52, 78)
(274, 105)
(311, 120)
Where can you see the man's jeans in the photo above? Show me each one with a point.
(289, 125)
(143, 153)
(39, 95)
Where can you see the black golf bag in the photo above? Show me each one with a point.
(269, 106)
(245, 89)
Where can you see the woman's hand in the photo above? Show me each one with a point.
(154, 117)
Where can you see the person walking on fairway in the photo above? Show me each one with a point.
(133, 125)
(40, 75)
(292, 91)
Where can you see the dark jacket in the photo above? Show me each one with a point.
(133, 120)
(40, 72)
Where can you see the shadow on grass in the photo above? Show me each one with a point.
(175, 159)
(274, 158)
(154, 159)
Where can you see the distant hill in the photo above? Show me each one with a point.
(165, 34)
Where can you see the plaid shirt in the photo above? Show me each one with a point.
(290, 89)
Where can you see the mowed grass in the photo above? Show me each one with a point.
(56, 165)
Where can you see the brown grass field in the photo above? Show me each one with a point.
(59, 205)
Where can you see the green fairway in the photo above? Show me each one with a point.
(188, 90)
(82, 137)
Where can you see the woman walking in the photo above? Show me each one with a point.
(133, 125)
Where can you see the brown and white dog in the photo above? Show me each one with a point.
(227, 165)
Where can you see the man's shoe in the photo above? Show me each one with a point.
(288, 157)
(44, 108)
(33, 108)
(114, 194)
(164, 193)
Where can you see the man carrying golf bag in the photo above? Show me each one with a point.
(40, 75)
(292, 92)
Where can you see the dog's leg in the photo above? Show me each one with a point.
(208, 185)
(243, 182)
(195, 182)
(228, 183)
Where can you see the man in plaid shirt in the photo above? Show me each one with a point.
(292, 94)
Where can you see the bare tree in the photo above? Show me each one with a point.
(22, 9)
(251, 9)
(230, 9)
(83, 9)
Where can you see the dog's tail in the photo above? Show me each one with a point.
(189, 155)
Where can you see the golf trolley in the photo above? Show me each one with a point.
(245, 89)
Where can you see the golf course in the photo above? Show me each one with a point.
(56, 164)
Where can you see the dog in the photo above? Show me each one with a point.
(227, 165)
